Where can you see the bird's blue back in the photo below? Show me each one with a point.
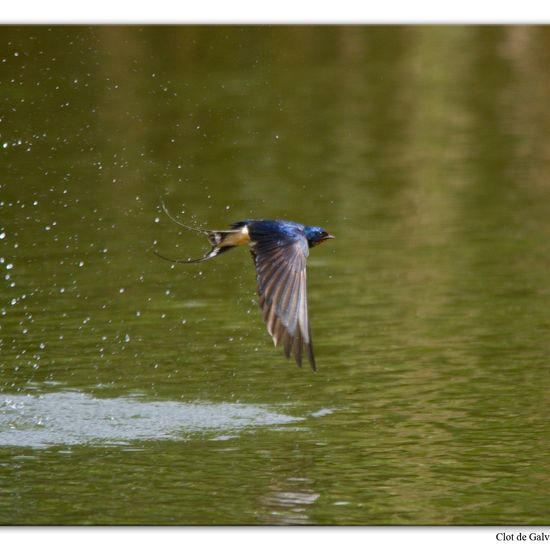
(276, 228)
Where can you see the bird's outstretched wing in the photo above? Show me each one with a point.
(280, 260)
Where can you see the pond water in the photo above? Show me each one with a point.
(136, 391)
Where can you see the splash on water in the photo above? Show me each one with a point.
(73, 418)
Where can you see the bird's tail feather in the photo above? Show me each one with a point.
(214, 251)
(221, 241)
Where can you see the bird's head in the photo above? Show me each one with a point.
(316, 235)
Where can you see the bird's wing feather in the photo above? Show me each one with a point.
(281, 274)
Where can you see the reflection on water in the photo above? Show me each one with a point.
(71, 418)
(424, 149)
(289, 505)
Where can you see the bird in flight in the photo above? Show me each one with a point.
(279, 249)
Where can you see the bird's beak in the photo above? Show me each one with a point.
(325, 238)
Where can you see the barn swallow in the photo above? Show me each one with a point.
(279, 249)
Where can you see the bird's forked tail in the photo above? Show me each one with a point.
(221, 241)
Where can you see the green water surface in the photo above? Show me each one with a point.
(133, 391)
